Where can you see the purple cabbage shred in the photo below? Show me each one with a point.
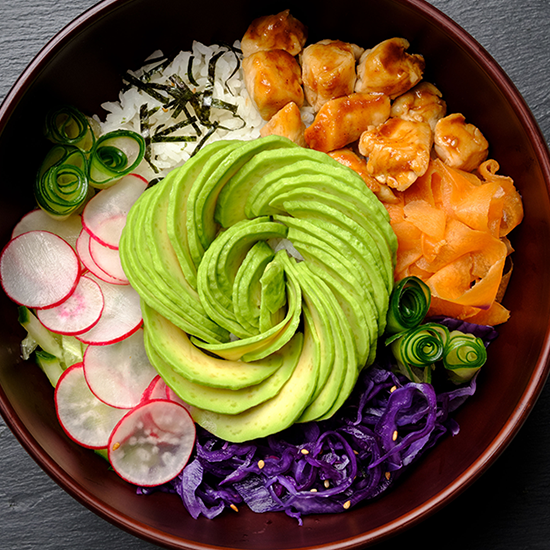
(386, 425)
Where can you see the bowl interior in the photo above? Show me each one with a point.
(83, 66)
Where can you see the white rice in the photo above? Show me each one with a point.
(125, 113)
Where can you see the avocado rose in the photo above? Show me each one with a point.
(251, 337)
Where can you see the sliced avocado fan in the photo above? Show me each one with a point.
(264, 271)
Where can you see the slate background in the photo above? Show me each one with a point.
(508, 508)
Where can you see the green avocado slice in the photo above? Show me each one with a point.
(201, 225)
(163, 256)
(184, 300)
(342, 274)
(173, 346)
(273, 294)
(351, 370)
(277, 413)
(257, 347)
(227, 401)
(346, 239)
(246, 294)
(230, 207)
(336, 176)
(218, 305)
(319, 324)
(176, 223)
(352, 363)
(344, 349)
(220, 264)
(193, 209)
(363, 201)
(240, 239)
(181, 309)
(346, 215)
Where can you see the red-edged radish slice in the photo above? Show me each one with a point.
(39, 269)
(68, 229)
(121, 315)
(83, 250)
(85, 418)
(155, 390)
(171, 395)
(119, 373)
(107, 259)
(152, 443)
(78, 313)
(104, 217)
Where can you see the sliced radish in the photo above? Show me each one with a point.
(85, 418)
(171, 395)
(68, 229)
(83, 250)
(155, 390)
(78, 313)
(107, 259)
(119, 374)
(121, 315)
(152, 443)
(39, 269)
(104, 217)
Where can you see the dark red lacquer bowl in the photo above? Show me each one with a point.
(81, 67)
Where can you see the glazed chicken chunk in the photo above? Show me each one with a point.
(287, 123)
(274, 32)
(342, 120)
(458, 144)
(421, 104)
(328, 70)
(273, 78)
(398, 151)
(389, 69)
(358, 164)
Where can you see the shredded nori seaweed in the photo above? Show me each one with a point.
(147, 87)
(162, 61)
(145, 130)
(190, 76)
(201, 143)
(161, 133)
(180, 98)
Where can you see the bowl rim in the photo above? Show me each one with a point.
(514, 423)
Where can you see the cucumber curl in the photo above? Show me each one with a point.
(409, 304)
(418, 347)
(61, 185)
(464, 355)
(68, 126)
(114, 156)
(80, 161)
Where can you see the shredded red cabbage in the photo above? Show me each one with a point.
(326, 467)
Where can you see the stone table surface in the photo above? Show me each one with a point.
(507, 508)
